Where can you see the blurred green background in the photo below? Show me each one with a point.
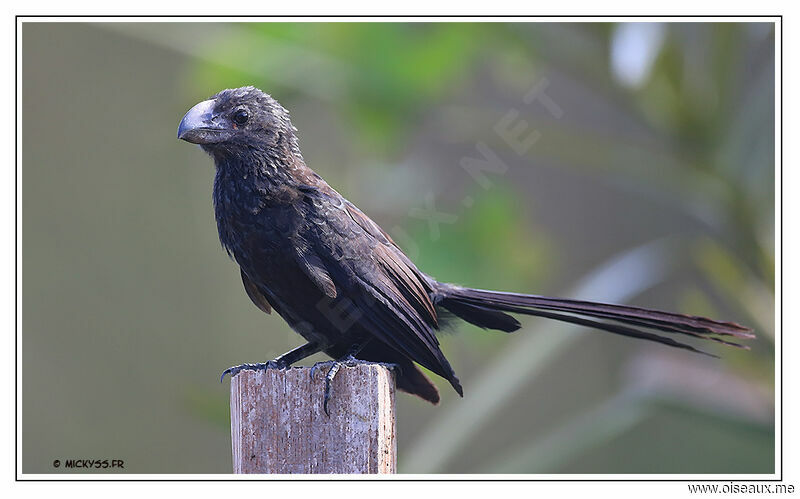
(650, 181)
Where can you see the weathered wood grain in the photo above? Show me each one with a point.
(278, 424)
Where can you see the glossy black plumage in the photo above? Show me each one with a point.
(338, 279)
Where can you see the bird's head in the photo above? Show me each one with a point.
(244, 117)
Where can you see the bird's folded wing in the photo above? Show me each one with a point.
(312, 266)
(255, 295)
(407, 278)
(391, 295)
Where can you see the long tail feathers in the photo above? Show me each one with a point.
(487, 309)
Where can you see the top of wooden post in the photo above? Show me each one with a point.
(278, 424)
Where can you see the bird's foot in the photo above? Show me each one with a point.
(347, 361)
(337, 364)
(270, 364)
(333, 368)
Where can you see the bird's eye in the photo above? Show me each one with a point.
(241, 116)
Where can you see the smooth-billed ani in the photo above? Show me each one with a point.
(339, 280)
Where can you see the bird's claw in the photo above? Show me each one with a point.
(234, 370)
(335, 365)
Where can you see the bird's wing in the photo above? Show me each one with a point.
(315, 270)
(410, 281)
(390, 294)
(255, 295)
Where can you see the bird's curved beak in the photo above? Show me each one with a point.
(201, 126)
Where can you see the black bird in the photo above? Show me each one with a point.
(340, 281)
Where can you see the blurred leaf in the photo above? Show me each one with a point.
(732, 279)
(694, 302)
(489, 243)
(560, 445)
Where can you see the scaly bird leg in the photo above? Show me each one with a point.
(348, 360)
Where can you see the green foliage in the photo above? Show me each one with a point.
(385, 74)
(490, 244)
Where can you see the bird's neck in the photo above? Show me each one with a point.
(249, 180)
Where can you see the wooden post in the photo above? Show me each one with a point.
(278, 424)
